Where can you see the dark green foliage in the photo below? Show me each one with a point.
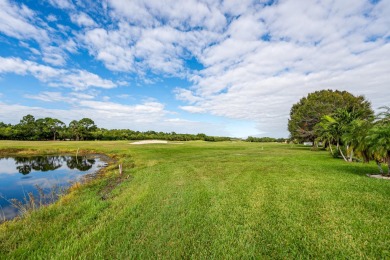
(354, 134)
(265, 139)
(85, 129)
(308, 112)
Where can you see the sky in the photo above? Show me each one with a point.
(226, 68)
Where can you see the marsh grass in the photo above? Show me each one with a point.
(209, 200)
(32, 202)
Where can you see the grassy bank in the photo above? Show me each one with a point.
(209, 200)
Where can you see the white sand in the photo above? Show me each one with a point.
(378, 176)
(151, 142)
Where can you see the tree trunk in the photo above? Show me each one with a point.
(388, 165)
(351, 156)
(331, 150)
(379, 166)
(388, 168)
(341, 152)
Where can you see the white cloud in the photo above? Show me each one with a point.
(124, 96)
(256, 58)
(141, 113)
(49, 97)
(70, 45)
(193, 109)
(105, 114)
(18, 22)
(72, 98)
(22, 23)
(54, 56)
(112, 47)
(62, 4)
(186, 95)
(177, 14)
(51, 18)
(142, 117)
(75, 79)
(310, 47)
(83, 95)
(154, 35)
(81, 79)
(82, 19)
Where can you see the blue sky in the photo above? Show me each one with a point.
(231, 68)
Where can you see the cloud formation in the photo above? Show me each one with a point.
(75, 79)
(244, 60)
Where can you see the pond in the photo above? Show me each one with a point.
(40, 179)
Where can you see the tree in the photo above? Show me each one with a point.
(342, 129)
(6, 131)
(308, 112)
(326, 132)
(356, 137)
(378, 139)
(332, 129)
(27, 128)
(74, 130)
(82, 129)
(369, 138)
(87, 126)
(55, 126)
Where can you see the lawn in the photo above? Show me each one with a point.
(208, 200)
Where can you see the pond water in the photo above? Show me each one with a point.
(42, 176)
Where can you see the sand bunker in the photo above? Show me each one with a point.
(151, 142)
(378, 176)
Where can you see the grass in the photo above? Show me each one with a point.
(208, 200)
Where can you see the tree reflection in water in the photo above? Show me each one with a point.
(49, 163)
(80, 163)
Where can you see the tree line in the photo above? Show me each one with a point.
(48, 128)
(345, 124)
(265, 139)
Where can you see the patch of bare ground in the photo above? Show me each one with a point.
(379, 176)
(151, 142)
(155, 142)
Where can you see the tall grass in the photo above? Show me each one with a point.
(31, 202)
(209, 200)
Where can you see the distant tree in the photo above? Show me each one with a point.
(27, 128)
(87, 127)
(264, 139)
(6, 131)
(308, 112)
(201, 136)
(54, 125)
(74, 130)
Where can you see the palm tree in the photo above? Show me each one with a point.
(356, 138)
(332, 128)
(339, 128)
(384, 117)
(378, 140)
(325, 132)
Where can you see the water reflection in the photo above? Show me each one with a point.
(25, 165)
(21, 175)
(81, 165)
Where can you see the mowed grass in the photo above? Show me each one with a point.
(209, 200)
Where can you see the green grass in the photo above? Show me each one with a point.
(209, 200)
